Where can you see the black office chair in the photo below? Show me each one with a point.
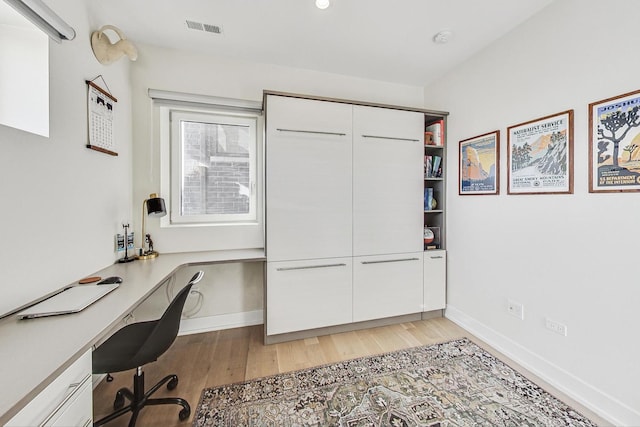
(136, 345)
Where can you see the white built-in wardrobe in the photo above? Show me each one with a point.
(344, 213)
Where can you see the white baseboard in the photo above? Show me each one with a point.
(599, 402)
(197, 325)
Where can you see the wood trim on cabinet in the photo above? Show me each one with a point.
(352, 102)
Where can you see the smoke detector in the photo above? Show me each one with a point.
(443, 37)
(199, 26)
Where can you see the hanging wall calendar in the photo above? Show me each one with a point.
(101, 105)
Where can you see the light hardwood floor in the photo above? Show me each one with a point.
(233, 355)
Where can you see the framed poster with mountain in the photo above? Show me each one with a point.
(479, 167)
(614, 144)
(540, 155)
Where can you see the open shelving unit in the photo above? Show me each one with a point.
(435, 179)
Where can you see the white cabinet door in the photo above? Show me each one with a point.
(387, 181)
(387, 285)
(308, 179)
(435, 280)
(308, 294)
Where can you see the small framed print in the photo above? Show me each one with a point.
(540, 155)
(479, 165)
(614, 144)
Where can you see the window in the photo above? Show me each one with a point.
(210, 160)
(211, 167)
(213, 164)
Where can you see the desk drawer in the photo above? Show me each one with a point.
(71, 388)
(77, 410)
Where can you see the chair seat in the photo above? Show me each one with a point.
(121, 351)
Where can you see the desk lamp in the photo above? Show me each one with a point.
(155, 207)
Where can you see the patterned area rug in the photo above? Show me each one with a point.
(450, 384)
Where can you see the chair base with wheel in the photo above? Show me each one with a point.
(136, 345)
(139, 399)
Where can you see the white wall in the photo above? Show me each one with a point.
(573, 257)
(230, 296)
(62, 203)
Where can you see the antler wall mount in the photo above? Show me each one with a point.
(106, 52)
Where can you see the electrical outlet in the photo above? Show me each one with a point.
(557, 327)
(515, 309)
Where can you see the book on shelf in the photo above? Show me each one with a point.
(437, 129)
(428, 166)
(436, 169)
(432, 166)
(428, 198)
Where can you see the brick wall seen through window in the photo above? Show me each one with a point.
(216, 169)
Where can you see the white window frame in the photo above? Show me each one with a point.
(170, 109)
(177, 116)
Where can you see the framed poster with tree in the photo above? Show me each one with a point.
(614, 144)
(540, 155)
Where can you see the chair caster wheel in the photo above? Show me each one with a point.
(184, 414)
(119, 401)
(173, 383)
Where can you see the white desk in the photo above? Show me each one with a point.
(34, 352)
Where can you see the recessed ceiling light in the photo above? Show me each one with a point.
(442, 37)
(322, 4)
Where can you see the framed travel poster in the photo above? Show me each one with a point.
(479, 165)
(540, 155)
(614, 144)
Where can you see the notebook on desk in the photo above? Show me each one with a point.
(71, 300)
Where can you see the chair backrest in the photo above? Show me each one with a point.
(167, 327)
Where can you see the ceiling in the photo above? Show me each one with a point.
(382, 40)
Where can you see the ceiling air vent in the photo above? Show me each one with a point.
(213, 28)
(209, 28)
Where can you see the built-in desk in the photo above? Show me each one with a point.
(35, 352)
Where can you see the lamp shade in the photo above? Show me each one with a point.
(155, 206)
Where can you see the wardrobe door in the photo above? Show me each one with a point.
(387, 181)
(308, 179)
